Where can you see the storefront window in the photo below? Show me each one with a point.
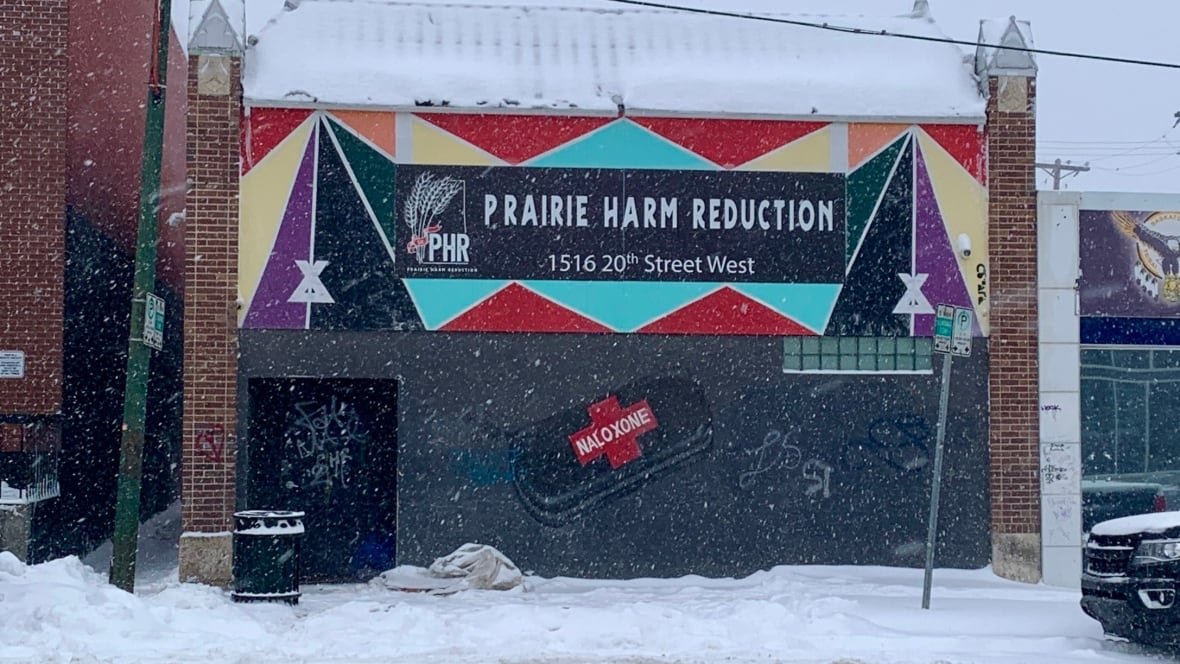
(1130, 438)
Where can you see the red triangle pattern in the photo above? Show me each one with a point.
(965, 144)
(726, 311)
(514, 138)
(264, 129)
(515, 308)
(729, 143)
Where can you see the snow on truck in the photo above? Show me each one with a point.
(1130, 577)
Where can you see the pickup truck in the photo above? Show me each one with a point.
(1130, 577)
(1113, 496)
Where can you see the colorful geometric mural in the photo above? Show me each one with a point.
(319, 237)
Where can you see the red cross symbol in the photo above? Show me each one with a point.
(614, 431)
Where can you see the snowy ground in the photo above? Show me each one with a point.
(64, 611)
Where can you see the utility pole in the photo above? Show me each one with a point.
(125, 540)
(1057, 168)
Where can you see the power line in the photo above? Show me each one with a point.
(1112, 152)
(1119, 173)
(1048, 141)
(1139, 165)
(896, 35)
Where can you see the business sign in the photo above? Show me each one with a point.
(153, 322)
(12, 364)
(961, 336)
(619, 225)
(614, 432)
(944, 328)
(1130, 263)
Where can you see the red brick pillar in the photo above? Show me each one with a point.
(210, 304)
(1012, 238)
(33, 131)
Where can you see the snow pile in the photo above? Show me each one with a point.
(63, 605)
(156, 561)
(63, 612)
(471, 566)
(394, 54)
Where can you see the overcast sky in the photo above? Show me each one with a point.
(1117, 117)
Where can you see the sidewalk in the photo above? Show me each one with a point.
(64, 611)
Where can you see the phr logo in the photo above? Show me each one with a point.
(429, 199)
(447, 248)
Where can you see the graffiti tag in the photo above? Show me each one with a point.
(774, 452)
(777, 453)
(324, 438)
(895, 442)
(900, 441)
(210, 443)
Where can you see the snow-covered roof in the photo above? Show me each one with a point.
(383, 53)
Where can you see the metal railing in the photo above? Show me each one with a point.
(29, 453)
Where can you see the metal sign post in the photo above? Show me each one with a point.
(952, 336)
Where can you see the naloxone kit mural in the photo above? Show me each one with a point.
(610, 343)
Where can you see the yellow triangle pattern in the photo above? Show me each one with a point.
(263, 200)
(963, 203)
(810, 154)
(431, 145)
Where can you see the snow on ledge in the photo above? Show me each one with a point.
(380, 53)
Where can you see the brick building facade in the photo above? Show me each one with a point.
(33, 90)
(72, 79)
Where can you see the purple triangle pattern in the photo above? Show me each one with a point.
(270, 308)
(933, 254)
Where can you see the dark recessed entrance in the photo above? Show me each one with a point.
(328, 447)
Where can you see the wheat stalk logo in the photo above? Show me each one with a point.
(428, 198)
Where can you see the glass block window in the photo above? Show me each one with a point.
(858, 354)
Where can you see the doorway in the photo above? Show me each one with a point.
(328, 447)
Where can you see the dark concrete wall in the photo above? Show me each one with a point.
(749, 468)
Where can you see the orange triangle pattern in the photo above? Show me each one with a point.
(515, 308)
(376, 126)
(726, 312)
(514, 138)
(965, 144)
(729, 143)
(867, 139)
(264, 129)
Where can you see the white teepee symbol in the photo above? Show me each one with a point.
(311, 289)
(913, 301)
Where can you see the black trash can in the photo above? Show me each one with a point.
(266, 556)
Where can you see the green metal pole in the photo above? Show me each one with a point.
(126, 534)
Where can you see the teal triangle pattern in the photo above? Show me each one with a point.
(865, 186)
(622, 144)
(440, 300)
(374, 176)
(807, 304)
(623, 306)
